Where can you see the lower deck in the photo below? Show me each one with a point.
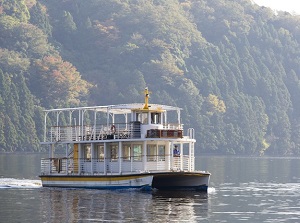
(164, 164)
(120, 157)
(96, 166)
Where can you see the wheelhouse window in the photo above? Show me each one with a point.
(155, 118)
(142, 117)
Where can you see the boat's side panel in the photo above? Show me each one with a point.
(179, 181)
(97, 182)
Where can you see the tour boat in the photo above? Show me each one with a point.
(138, 145)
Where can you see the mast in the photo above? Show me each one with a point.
(146, 92)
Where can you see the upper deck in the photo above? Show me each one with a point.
(121, 122)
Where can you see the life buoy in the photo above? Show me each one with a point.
(113, 129)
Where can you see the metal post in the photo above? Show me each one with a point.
(190, 158)
(105, 158)
(67, 158)
(82, 124)
(95, 124)
(70, 126)
(45, 128)
(169, 149)
(79, 158)
(50, 157)
(120, 157)
(181, 156)
(79, 126)
(92, 157)
(178, 116)
(145, 155)
(107, 117)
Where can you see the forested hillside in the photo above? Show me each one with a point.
(234, 67)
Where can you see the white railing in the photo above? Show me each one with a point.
(109, 166)
(56, 165)
(101, 132)
(173, 126)
(87, 132)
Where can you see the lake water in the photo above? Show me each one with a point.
(241, 189)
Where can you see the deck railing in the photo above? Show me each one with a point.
(87, 132)
(70, 166)
(103, 132)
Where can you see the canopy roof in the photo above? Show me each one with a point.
(119, 109)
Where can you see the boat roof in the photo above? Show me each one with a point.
(120, 108)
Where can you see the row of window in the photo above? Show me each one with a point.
(129, 152)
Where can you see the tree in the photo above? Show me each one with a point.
(57, 82)
(16, 9)
(40, 19)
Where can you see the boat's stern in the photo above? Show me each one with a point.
(181, 181)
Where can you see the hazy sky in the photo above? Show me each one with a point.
(292, 6)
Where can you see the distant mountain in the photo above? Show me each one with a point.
(234, 67)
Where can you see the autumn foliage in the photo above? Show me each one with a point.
(59, 82)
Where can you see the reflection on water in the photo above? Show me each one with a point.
(96, 205)
(73, 205)
(181, 205)
(230, 202)
(241, 189)
(259, 202)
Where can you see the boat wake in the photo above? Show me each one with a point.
(7, 183)
(211, 190)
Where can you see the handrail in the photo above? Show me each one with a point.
(103, 132)
(87, 133)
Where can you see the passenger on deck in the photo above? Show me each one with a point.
(176, 151)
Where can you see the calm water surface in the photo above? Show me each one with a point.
(241, 189)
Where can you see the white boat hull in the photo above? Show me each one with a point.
(158, 180)
(98, 182)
